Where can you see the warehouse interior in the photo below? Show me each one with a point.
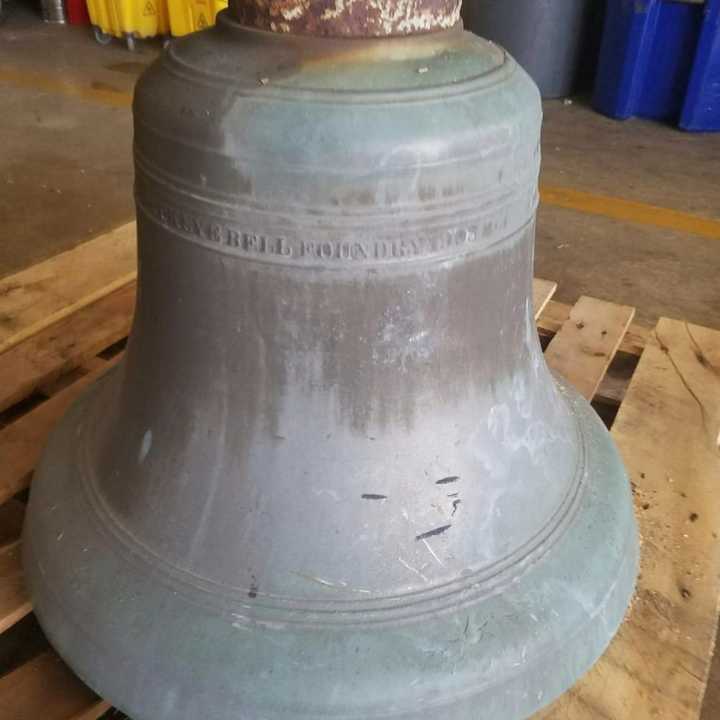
(68, 150)
(629, 212)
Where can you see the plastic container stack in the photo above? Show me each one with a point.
(661, 59)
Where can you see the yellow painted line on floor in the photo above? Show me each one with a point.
(64, 86)
(604, 205)
(630, 211)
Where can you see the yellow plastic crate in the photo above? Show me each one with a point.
(187, 16)
(128, 19)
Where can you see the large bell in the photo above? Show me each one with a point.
(333, 477)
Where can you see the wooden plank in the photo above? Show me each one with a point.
(34, 299)
(46, 688)
(667, 431)
(542, 291)
(14, 601)
(553, 316)
(587, 342)
(60, 347)
(22, 441)
(555, 313)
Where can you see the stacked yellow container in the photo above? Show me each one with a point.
(187, 16)
(128, 19)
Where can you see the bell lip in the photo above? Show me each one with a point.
(584, 642)
(166, 217)
(606, 513)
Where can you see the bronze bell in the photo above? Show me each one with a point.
(333, 477)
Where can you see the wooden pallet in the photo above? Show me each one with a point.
(62, 323)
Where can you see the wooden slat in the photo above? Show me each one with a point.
(667, 432)
(34, 299)
(587, 342)
(46, 689)
(14, 601)
(542, 291)
(60, 347)
(555, 313)
(22, 441)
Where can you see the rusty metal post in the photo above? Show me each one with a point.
(348, 18)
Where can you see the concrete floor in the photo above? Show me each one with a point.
(66, 175)
(660, 272)
(65, 156)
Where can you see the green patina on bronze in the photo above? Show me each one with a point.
(333, 478)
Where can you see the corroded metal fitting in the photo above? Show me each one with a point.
(348, 18)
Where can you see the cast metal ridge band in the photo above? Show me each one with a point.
(177, 66)
(150, 172)
(282, 249)
(332, 240)
(404, 607)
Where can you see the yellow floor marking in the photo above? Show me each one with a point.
(630, 211)
(578, 200)
(64, 86)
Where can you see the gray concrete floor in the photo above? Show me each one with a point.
(66, 176)
(65, 159)
(660, 272)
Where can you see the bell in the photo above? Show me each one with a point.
(333, 476)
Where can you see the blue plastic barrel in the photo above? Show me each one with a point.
(661, 59)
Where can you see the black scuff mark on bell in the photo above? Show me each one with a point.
(373, 496)
(447, 480)
(431, 533)
(456, 504)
